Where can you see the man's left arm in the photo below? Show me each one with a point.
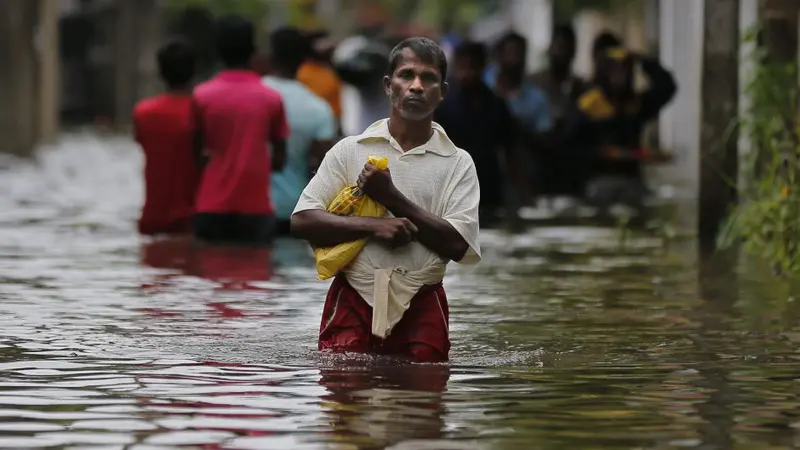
(279, 133)
(453, 236)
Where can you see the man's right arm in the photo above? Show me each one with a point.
(323, 229)
(311, 221)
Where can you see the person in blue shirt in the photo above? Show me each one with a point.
(312, 124)
(507, 78)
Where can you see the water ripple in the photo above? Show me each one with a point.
(564, 337)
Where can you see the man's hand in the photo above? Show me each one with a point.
(377, 184)
(395, 232)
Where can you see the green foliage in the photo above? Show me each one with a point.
(255, 10)
(767, 219)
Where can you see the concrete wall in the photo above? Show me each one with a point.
(680, 46)
(17, 98)
(681, 49)
(29, 98)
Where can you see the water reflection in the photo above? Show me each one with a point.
(233, 267)
(380, 404)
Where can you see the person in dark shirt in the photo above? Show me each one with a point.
(554, 170)
(602, 43)
(607, 126)
(162, 126)
(479, 122)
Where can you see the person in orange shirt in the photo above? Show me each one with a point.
(318, 74)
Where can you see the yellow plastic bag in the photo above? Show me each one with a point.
(351, 201)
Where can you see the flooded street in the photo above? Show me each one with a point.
(562, 339)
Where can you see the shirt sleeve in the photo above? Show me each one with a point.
(461, 210)
(279, 127)
(327, 182)
(326, 131)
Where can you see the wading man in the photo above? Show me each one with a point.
(390, 300)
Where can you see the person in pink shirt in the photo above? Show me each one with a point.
(241, 132)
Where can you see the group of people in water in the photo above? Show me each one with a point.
(256, 152)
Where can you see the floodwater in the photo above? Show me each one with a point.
(563, 338)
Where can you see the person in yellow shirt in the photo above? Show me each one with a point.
(318, 74)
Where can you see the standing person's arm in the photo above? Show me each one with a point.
(279, 133)
(311, 222)
(336, 104)
(137, 136)
(453, 236)
(200, 155)
(662, 88)
(326, 131)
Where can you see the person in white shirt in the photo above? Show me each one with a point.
(312, 126)
(390, 300)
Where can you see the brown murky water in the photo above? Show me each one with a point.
(562, 338)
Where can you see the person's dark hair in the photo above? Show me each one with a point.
(475, 51)
(235, 37)
(512, 37)
(565, 32)
(605, 41)
(289, 48)
(315, 35)
(176, 63)
(426, 49)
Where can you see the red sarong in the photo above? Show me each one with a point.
(421, 335)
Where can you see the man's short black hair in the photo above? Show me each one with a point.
(176, 63)
(289, 48)
(565, 32)
(512, 37)
(236, 39)
(605, 41)
(474, 51)
(315, 35)
(425, 49)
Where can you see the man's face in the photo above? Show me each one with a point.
(512, 56)
(467, 71)
(415, 88)
(619, 75)
(561, 53)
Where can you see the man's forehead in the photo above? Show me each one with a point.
(410, 59)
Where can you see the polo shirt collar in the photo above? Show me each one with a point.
(439, 143)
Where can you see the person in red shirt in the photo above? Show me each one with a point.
(162, 126)
(235, 117)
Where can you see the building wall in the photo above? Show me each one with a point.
(681, 39)
(18, 99)
(681, 48)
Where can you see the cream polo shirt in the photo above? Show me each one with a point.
(437, 176)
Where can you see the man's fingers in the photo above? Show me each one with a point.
(411, 227)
